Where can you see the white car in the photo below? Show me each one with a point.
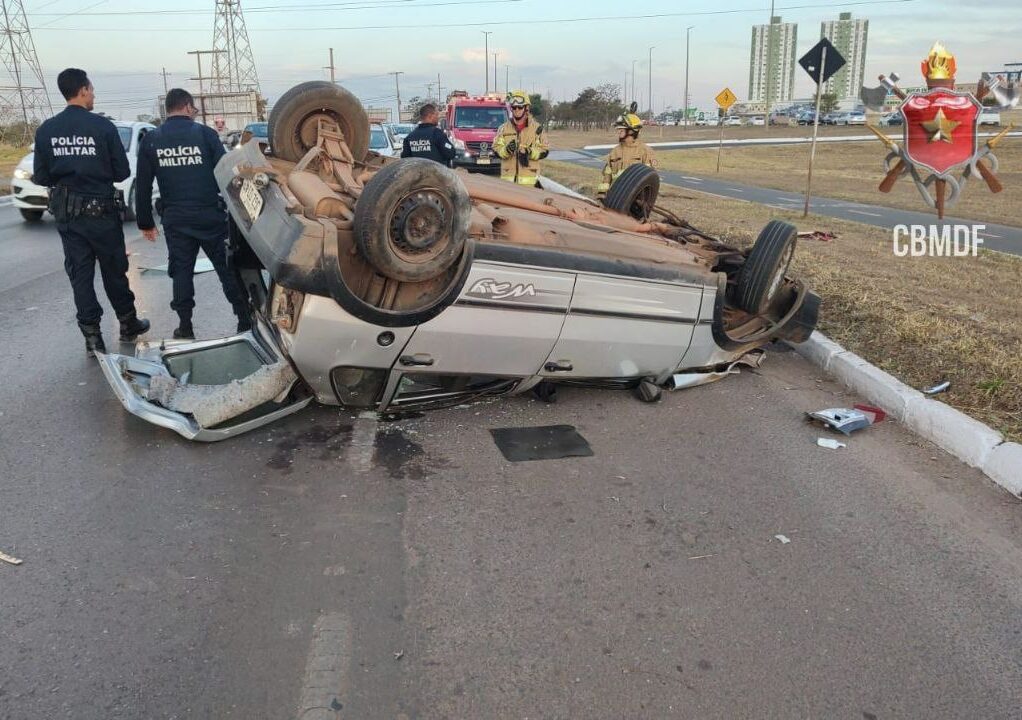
(989, 116)
(732, 120)
(757, 120)
(31, 199)
(401, 130)
(382, 141)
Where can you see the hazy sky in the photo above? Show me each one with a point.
(124, 43)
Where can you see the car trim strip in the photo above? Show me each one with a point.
(511, 305)
(633, 315)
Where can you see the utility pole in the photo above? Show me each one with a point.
(650, 96)
(330, 67)
(165, 89)
(633, 80)
(397, 88)
(202, 88)
(688, 32)
(507, 78)
(486, 55)
(439, 96)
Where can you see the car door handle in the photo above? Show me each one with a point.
(417, 360)
(559, 366)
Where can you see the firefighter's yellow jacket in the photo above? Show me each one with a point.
(622, 156)
(531, 141)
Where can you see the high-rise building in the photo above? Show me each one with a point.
(772, 61)
(849, 37)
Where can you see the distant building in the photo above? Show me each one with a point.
(772, 61)
(849, 37)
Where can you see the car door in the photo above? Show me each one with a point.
(502, 326)
(621, 327)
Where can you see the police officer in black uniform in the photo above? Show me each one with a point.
(427, 140)
(79, 156)
(181, 154)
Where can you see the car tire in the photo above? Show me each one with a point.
(129, 206)
(763, 273)
(635, 192)
(294, 119)
(31, 215)
(411, 221)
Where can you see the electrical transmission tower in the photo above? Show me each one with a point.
(24, 102)
(233, 65)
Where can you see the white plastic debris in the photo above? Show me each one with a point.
(783, 538)
(10, 559)
(829, 443)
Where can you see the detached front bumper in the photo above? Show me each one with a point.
(208, 390)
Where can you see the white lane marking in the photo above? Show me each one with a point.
(691, 179)
(863, 212)
(990, 235)
(734, 189)
(326, 670)
(363, 441)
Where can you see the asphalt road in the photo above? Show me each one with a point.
(334, 566)
(1002, 238)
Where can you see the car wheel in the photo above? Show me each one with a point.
(763, 273)
(635, 192)
(411, 220)
(295, 117)
(129, 207)
(31, 215)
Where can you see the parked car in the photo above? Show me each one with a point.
(401, 130)
(892, 118)
(382, 140)
(855, 118)
(732, 120)
(757, 120)
(405, 285)
(989, 116)
(780, 118)
(31, 199)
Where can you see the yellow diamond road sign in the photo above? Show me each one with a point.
(725, 98)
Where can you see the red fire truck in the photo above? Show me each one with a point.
(471, 121)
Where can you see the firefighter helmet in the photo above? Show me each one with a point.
(628, 121)
(518, 98)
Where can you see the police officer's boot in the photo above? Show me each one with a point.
(93, 339)
(244, 317)
(132, 326)
(184, 329)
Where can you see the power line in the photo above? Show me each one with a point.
(531, 21)
(314, 7)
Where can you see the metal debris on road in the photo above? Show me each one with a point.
(783, 538)
(10, 559)
(847, 421)
(937, 389)
(702, 557)
(829, 443)
(399, 654)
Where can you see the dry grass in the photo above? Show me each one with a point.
(10, 156)
(920, 319)
(573, 139)
(852, 171)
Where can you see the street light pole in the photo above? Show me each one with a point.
(495, 56)
(397, 88)
(486, 55)
(688, 32)
(633, 80)
(507, 78)
(649, 97)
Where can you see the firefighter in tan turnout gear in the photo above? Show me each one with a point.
(629, 150)
(520, 143)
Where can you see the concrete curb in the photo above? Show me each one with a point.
(967, 439)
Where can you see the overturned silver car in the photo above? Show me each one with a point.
(387, 285)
